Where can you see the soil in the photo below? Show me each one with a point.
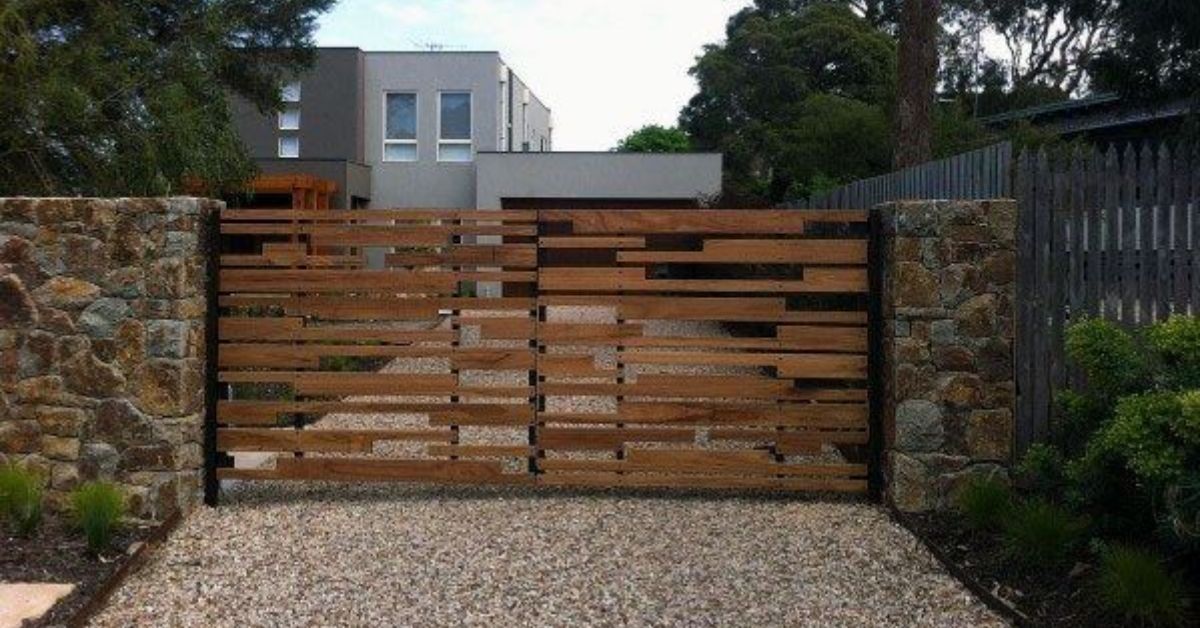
(58, 554)
(1050, 597)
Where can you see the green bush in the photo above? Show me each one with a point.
(1108, 355)
(21, 499)
(1041, 534)
(98, 508)
(1134, 584)
(1176, 346)
(1157, 434)
(1042, 472)
(984, 502)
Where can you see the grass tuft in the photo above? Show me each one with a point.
(98, 508)
(1135, 584)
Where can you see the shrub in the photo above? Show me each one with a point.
(1176, 345)
(98, 508)
(1135, 584)
(21, 499)
(984, 502)
(1041, 534)
(1041, 471)
(1108, 355)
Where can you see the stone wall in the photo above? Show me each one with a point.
(102, 306)
(948, 314)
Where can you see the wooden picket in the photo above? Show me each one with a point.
(1108, 234)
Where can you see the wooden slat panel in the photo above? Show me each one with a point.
(480, 451)
(701, 387)
(824, 338)
(792, 365)
(376, 234)
(300, 304)
(589, 222)
(552, 365)
(262, 355)
(288, 280)
(566, 333)
(292, 329)
(502, 328)
(397, 384)
(816, 280)
(731, 462)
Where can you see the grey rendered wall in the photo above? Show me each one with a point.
(595, 175)
(537, 124)
(426, 182)
(330, 113)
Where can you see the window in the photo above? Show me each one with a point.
(289, 118)
(454, 126)
(400, 126)
(290, 92)
(289, 147)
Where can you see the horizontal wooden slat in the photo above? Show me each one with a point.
(261, 355)
(402, 306)
(381, 470)
(314, 261)
(376, 234)
(581, 439)
(501, 328)
(509, 255)
(835, 485)
(397, 384)
(480, 451)
(320, 440)
(593, 242)
(268, 412)
(689, 461)
(378, 215)
(594, 222)
(792, 365)
(293, 329)
(552, 365)
(289, 280)
(789, 442)
(827, 252)
(815, 280)
(811, 415)
(702, 386)
(566, 333)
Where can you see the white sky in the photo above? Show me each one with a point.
(605, 67)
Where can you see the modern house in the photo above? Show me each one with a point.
(1102, 118)
(448, 130)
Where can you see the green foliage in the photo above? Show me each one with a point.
(1041, 534)
(1182, 520)
(654, 138)
(1134, 584)
(984, 502)
(21, 499)
(98, 508)
(1154, 435)
(1158, 49)
(1042, 471)
(792, 78)
(131, 98)
(1109, 356)
(1176, 344)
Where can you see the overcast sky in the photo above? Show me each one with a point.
(605, 67)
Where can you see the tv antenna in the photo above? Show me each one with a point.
(435, 46)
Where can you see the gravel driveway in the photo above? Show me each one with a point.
(354, 555)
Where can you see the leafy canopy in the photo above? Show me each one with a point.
(654, 138)
(130, 97)
(797, 97)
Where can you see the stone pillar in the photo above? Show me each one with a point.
(948, 318)
(102, 306)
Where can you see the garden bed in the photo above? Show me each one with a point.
(1034, 597)
(58, 554)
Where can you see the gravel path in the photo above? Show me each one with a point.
(291, 555)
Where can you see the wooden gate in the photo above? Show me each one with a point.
(673, 348)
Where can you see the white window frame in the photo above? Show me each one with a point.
(279, 149)
(469, 142)
(279, 118)
(416, 128)
(283, 92)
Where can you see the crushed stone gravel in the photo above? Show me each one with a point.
(355, 555)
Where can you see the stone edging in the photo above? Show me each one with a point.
(114, 581)
(1016, 617)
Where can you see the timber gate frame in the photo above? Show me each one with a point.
(724, 349)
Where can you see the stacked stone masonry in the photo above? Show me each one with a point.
(102, 309)
(949, 285)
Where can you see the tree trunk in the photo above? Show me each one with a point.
(918, 64)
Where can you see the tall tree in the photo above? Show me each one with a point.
(811, 74)
(1154, 51)
(129, 98)
(917, 73)
(654, 138)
